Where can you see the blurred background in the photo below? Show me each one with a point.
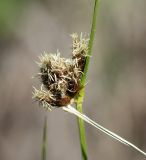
(116, 89)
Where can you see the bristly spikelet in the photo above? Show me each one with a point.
(44, 97)
(60, 76)
(79, 49)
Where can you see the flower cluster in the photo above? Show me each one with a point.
(61, 77)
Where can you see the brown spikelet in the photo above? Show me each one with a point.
(61, 77)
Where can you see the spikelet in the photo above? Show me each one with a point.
(61, 77)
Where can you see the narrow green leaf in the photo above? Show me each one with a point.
(83, 81)
(44, 140)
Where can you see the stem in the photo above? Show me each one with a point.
(90, 45)
(83, 81)
(44, 140)
(72, 110)
(81, 127)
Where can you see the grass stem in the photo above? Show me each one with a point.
(44, 140)
(83, 81)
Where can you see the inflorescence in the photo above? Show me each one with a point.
(61, 83)
(61, 77)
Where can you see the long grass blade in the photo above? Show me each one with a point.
(102, 129)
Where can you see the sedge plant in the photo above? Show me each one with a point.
(63, 85)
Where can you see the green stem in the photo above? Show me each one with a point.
(44, 140)
(90, 45)
(83, 81)
(81, 127)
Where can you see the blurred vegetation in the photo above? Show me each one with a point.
(11, 12)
